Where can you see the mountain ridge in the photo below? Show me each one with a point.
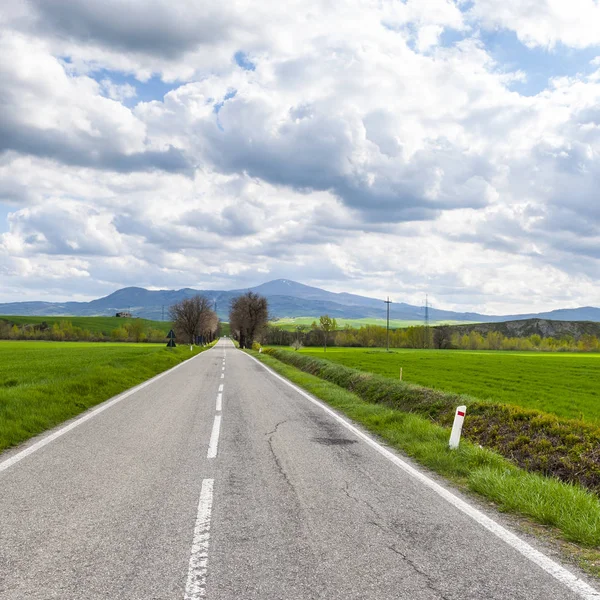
(287, 298)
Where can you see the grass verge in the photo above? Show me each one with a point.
(571, 510)
(536, 441)
(43, 384)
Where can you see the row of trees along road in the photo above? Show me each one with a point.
(248, 316)
(194, 318)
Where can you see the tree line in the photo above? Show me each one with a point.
(133, 330)
(439, 337)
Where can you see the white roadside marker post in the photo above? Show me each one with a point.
(459, 419)
(400, 373)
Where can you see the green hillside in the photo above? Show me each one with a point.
(96, 325)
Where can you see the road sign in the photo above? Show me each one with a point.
(171, 344)
(171, 337)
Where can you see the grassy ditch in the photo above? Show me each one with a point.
(538, 442)
(562, 383)
(43, 384)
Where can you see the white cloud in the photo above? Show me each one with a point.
(118, 92)
(358, 153)
(47, 112)
(545, 23)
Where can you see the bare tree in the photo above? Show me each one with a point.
(248, 316)
(193, 317)
(209, 326)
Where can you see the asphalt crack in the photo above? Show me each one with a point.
(277, 425)
(282, 472)
(390, 529)
(429, 582)
(346, 490)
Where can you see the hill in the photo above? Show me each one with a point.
(95, 325)
(527, 327)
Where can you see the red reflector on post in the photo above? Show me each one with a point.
(460, 414)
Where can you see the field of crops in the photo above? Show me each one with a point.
(96, 325)
(45, 383)
(290, 323)
(563, 384)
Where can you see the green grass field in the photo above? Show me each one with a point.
(564, 384)
(96, 325)
(45, 383)
(290, 324)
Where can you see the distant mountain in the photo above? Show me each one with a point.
(286, 299)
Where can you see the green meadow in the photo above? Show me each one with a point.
(95, 325)
(564, 384)
(290, 323)
(45, 383)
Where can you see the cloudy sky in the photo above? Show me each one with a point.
(375, 146)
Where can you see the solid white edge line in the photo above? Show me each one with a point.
(219, 406)
(214, 438)
(195, 586)
(90, 414)
(557, 571)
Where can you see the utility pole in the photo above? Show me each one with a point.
(387, 331)
(426, 321)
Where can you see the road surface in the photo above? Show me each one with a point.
(219, 481)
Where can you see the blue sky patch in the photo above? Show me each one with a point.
(449, 37)
(146, 91)
(538, 64)
(242, 60)
(219, 105)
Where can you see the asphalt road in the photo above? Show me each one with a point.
(180, 491)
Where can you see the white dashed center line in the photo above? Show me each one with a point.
(214, 438)
(196, 582)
